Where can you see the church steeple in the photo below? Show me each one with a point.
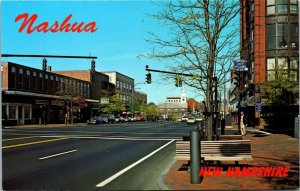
(183, 95)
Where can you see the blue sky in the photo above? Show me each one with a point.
(122, 27)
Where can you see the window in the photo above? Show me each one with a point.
(4, 112)
(27, 80)
(271, 66)
(282, 6)
(33, 81)
(40, 82)
(13, 69)
(294, 35)
(294, 68)
(286, 36)
(293, 6)
(12, 110)
(12, 78)
(20, 78)
(271, 36)
(282, 35)
(27, 112)
(46, 83)
(282, 68)
(270, 7)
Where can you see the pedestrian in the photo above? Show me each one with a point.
(243, 123)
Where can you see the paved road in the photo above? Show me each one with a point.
(110, 156)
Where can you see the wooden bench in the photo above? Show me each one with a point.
(229, 150)
(230, 137)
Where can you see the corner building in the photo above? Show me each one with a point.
(269, 37)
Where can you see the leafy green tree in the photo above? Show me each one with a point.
(134, 106)
(280, 95)
(279, 89)
(115, 105)
(152, 110)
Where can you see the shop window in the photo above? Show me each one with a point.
(27, 112)
(12, 110)
(4, 112)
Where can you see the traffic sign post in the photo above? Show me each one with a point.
(258, 107)
(239, 65)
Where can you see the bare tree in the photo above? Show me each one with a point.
(200, 38)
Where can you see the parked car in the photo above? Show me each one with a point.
(199, 119)
(119, 119)
(191, 120)
(111, 118)
(184, 118)
(131, 119)
(98, 120)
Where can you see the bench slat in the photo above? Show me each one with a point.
(233, 150)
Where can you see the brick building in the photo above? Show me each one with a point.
(31, 95)
(269, 43)
(194, 106)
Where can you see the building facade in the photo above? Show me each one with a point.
(31, 95)
(176, 105)
(124, 84)
(269, 35)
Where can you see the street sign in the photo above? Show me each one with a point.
(42, 102)
(239, 65)
(104, 100)
(258, 107)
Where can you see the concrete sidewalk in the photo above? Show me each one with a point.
(268, 150)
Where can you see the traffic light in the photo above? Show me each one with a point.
(237, 79)
(148, 78)
(178, 81)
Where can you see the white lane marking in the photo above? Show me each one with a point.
(108, 180)
(55, 155)
(117, 138)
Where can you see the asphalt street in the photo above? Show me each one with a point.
(90, 157)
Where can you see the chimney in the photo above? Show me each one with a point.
(49, 68)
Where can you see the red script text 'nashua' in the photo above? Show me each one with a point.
(64, 26)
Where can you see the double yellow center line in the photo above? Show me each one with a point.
(31, 143)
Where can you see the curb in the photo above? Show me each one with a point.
(161, 178)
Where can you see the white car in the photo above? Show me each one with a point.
(191, 120)
(199, 118)
(184, 118)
